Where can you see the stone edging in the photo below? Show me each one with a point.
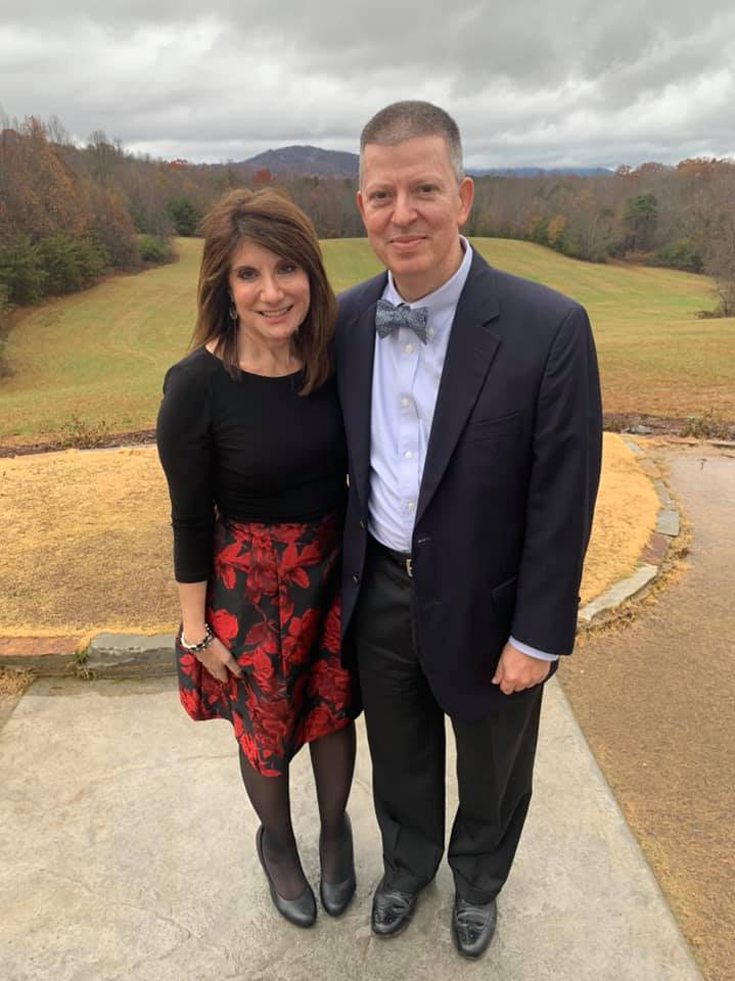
(111, 655)
(666, 530)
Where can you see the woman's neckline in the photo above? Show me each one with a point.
(254, 374)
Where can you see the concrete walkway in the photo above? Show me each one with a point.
(127, 853)
(656, 702)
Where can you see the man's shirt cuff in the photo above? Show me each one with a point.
(532, 651)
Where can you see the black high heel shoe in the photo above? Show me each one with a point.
(300, 911)
(336, 896)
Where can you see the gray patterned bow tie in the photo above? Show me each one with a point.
(389, 318)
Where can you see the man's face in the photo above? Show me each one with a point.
(413, 208)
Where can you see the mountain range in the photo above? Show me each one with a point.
(312, 161)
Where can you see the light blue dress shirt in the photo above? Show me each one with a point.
(406, 376)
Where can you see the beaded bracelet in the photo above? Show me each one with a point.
(202, 645)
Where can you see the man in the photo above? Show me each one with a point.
(472, 410)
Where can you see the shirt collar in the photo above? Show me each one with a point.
(446, 297)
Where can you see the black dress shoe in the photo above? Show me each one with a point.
(336, 896)
(392, 910)
(300, 911)
(473, 926)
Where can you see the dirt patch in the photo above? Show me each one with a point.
(12, 686)
(88, 542)
(13, 683)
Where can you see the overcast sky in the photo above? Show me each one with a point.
(530, 82)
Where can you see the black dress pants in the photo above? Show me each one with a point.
(406, 735)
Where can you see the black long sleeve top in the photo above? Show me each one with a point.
(252, 448)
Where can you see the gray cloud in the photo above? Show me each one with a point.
(545, 82)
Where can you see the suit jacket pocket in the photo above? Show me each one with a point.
(498, 427)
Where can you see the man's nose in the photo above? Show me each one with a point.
(404, 211)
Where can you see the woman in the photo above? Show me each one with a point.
(251, 440)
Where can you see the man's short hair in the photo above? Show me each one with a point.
(402, 121)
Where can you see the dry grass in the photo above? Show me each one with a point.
(88, 545)
(625, 516)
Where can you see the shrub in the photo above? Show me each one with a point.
(154, 250)
(681, 255)
(20, 272)
(184, 216)
(70, 264)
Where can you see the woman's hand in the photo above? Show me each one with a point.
(219, 661)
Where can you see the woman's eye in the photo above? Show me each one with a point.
(288, 267)
(246, 273)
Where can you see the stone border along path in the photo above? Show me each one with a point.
(122, 655)
(666, 530)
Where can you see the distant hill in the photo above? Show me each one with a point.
(539, 172)
(312, 161)
(306, 161)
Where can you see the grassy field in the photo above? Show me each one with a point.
(94, 361)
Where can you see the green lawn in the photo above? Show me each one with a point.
(96, 359)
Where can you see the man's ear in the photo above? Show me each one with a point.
(466, 196)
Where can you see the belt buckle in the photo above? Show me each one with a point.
(408, 562)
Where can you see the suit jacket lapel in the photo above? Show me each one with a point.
(356, 385)
(471, 350)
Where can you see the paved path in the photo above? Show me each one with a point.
(656, 701)
(127, 853)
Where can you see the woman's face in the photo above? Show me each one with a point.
(271, 294)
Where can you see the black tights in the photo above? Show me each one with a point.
(333, 763)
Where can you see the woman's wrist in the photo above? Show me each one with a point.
(196, 643)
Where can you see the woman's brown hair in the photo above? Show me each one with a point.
(271, 221)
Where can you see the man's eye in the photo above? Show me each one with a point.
(427, 188)
(378, 196)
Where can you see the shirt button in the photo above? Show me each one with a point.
(411, 505)
(405, 401)
(431, 332)
(408, 455)
(408, 349)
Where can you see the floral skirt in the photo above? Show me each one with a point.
(273, 600)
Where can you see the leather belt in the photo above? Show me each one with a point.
(402, 559)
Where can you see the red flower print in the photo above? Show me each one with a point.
(272, 599)
(262, 669)
(291, 569)
(331, 631)
(188, 663)
(224, 625)
(319, 722)
(262, 633)
(191, 702)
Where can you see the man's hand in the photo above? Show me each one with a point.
(219, 661)
(517, 671)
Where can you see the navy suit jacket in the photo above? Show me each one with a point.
(509, 483)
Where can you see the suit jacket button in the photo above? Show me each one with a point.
(361, 523)
(355, 578)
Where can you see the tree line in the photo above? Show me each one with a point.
(69, 214)
(680, 216)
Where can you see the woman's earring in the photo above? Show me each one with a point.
(233, 313)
